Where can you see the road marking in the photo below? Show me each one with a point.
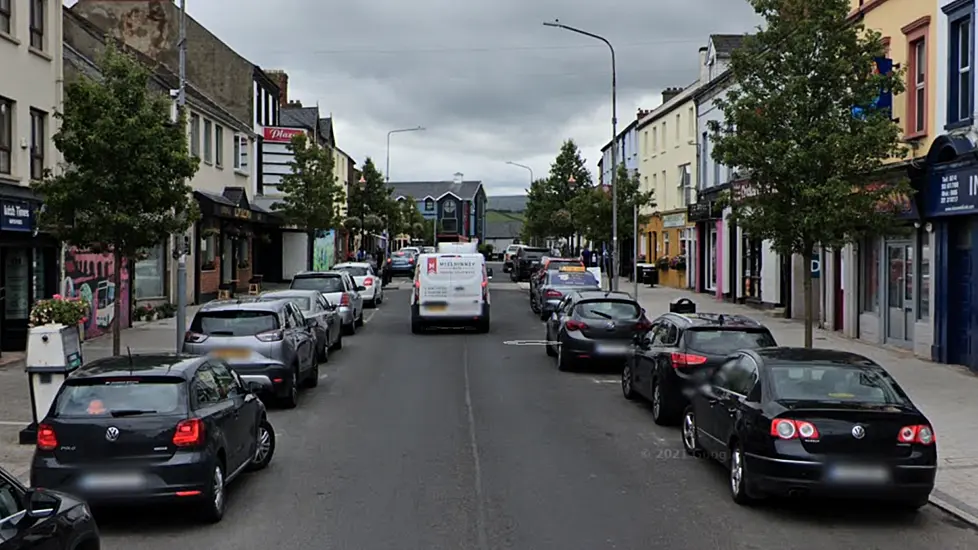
(323, 376)
(369, 317)
(530, 343)
(606, 380)
(14, 423)
(480, 518)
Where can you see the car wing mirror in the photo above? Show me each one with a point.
(310, 322)
(41, 504)
(254, 387)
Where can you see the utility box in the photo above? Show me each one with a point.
(53, 353)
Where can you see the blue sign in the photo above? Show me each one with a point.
(16, 216)
(952, 190)
(816, 268)
(884, 101)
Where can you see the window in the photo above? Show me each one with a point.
(205, 388)
(150, 273)
(5, 16)
(195, 135)
(208, 251)
(258, 104)
(723, 342)
(208, 141)
(870, 276)
(6, 134)
(704, 160)
(665, 243)
(655, 181)
(244, 253)
(11, 502)
(923, 293)
(37, 24)
(37, 144)
(960, 56)
(230, 322)
(655, 140)
(645, 143)
(241, 152)
(237, 153)
(429, 205)
(692, 122)
(917, 76)
(218, 146)
(665, 136)
(226, 381)
(678, 121)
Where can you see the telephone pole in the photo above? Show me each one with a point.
(180, 246)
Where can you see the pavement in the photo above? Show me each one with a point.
(462, 441)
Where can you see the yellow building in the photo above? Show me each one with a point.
(667, 145)
(341, 171)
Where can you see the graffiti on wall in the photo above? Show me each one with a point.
(89, 275)
(324, 251)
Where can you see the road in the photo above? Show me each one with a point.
(459, 441)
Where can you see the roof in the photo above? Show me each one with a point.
(314, 274)
(351, 264)
(599, 294)
(725, 44)
(503, 230)
(286, 293)
(506, 203)
(715, 319)
(149, 364)
(812, 355)
(293, 116)
(246, 304)
(421, 190)
(688, 93)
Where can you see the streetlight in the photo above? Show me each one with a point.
(614, 149)
(523, 166)
(363, 211)
(387, 170)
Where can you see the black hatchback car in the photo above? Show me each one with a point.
(152, 429)
(680, 352)
(796, 421)
(594, 326)
(43, 519)
(526, 262)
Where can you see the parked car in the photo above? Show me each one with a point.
(594, 326)
(364, 275)
(339, 288)
(150, 429)
(276, 331)
(43, 519)
(326, 329)
(509, 255)
(796, 421)
(402, 263)
(526, 262)
(548, 264)
(682, 350)
(550, 292)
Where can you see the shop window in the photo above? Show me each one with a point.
(150, 274)
(208, 252)
(665, 243)
(923, 291)
(244, 253)
(870, 275)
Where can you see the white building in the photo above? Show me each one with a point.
(30, 93)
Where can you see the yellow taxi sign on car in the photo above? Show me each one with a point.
(572, 269)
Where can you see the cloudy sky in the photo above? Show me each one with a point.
(486, 79)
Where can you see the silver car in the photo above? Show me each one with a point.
(363, 274)
(339, 289)
(329, 336)
(237, 329)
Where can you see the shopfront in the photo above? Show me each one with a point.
(751, 269)
(28, 269)
(707, 262)
(672, 250)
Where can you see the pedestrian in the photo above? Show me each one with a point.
(586, 256)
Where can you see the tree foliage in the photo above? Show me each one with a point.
(311, 192)
(411, 222)
(790, 128)
(593, 208)
(124, 184)
(549, 203)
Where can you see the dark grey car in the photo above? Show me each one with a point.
(555, 286)
(327, 328)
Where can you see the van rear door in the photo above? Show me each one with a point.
(451, 285)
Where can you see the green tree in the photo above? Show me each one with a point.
(593, 207)
(124, 185)
(548, 209)
(371, 198)
(310, 190)
(810, 160)
(411, 222)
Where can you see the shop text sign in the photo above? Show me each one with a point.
(674, 220)
(16, 216)
(281, 135)
(953, 191)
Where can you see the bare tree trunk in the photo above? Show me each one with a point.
(117, 303)
(809, 297)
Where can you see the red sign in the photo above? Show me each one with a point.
(281, 135)
(432, 265)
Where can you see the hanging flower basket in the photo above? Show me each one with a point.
(59, 310)
(662, 263)
(373, 222)
(678, 263)
(209, 232)
(417, 229)
(351, 223)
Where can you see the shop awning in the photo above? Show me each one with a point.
(233, 204)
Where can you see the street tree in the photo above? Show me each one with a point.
(548, 211)
(371, 198)
(412, 223)
(593, 207)
(123, 187)
(810, 133)
(310, 191)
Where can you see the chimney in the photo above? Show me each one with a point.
(294, 103)
(281, 78)
(641, 113)
(704, 70)
(457, 178)
(670, 93)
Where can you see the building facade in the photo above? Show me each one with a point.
(31, 63)
(627, 153)
(457, 208)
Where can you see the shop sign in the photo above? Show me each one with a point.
(952, 191)
(674, 220)
(16, 216)
(699, 212)
(273, 134)
(902, 205)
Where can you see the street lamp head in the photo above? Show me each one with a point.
(571, 180)
(363, 180)
(554, 23)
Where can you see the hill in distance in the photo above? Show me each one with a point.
(507, 203)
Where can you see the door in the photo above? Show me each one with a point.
(665, 341)
(737, 386)
(217, 411)
(711, 260)
(241, 429)
(16, 283)
(228, 269)
(899, 293)
(961, 298)
(711, 408)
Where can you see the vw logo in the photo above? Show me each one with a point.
(112, 433)
(610, 326)
(858, 432)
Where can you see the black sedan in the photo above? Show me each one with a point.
(550, 292)
(795, 421)
(39, 518)
(594, 326)
(148, 429)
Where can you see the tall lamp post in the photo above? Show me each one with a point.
(523, 166)
(363, 212)
(387, 168)
(614, 149)
(572, 187)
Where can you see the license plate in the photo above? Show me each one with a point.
(232, 353)
(859, 474)
(109, 482)
(436, 307)
(612, 348)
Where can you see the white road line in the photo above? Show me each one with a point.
(369, 317)
(14, 422)
(482, 534)
(605, 380)
(323, 376)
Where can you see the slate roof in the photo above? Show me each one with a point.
(507, 203)
(724, 44)
(308, 118)
(419, 190)
(503, 230)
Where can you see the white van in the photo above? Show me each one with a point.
(458, 248)
(450, 290)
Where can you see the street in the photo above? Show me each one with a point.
(458, 441)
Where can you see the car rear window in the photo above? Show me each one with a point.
(402, 254)
(723, 342)
(240, 322)
(835, 383)
(354, 271)
(323, 283)
(127, 397)
(573, 279)
(618, 310)
(301, 301)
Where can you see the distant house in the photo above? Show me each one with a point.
(459, 206)
(501, 234)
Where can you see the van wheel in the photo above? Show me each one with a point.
(483, 326)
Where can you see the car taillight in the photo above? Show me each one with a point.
(410, 260)
(575, 325)
(270, 336)
(345, 299)
(46, 438)
(922, 434)
(686, 360)
(552, 294)
(189, 433)
(785, 428)
(388, 260)
(194, 337)
(368, 282)
(417, 291)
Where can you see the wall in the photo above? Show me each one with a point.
(90, 276)
(212, 176)
(628, 153)
(295, 254)
(341, 170)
